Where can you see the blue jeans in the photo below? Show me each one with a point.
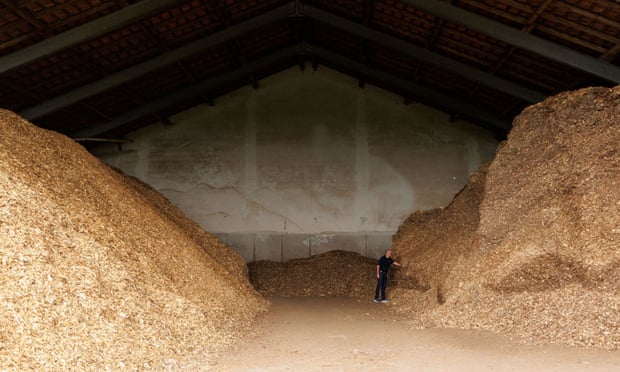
(381, 284)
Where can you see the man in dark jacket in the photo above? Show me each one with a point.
(383, 265)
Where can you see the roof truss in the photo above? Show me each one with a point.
(82, 33)
(360, 28)
(196, 90)
(519, 38)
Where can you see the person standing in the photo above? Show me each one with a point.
(383, 265)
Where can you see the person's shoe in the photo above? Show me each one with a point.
(384, 301)
(376, 301)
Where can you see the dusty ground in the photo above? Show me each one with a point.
(342, 334)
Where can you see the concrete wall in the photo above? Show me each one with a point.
(309, 154)
(276, 246)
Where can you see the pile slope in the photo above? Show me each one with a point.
(228, 258)
(545, 264)
(99, 272)
(435, 245)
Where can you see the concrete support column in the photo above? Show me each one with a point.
(142, 163)
(362, 163)
(251, 173)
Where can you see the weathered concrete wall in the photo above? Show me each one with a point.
(309, 157)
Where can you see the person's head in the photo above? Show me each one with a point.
(388, 253)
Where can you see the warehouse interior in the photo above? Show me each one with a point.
(171, 151)
(99, 71)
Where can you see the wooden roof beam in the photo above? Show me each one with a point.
(42, 28)
(190, 92)
(82, 33)
(527, 27)
(152, 65)
(425, 55)
(432, 97)
(520, 39)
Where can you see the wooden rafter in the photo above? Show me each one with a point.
(586, 30)
(81, 33)
(518, 38)
(143, 68)
(39, 26)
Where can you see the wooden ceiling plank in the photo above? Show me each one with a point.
(532, 80)
(41, 27)
(527, 27)
(463, 55)
(386, 10)
(82, 33)
(436, 32)
(523, 63)
(423, 55)
(437, 29)
(498, 12)
(576, 26)
(163, 47)
(400, 27)
(458, 35)
(165, 59)
(86, 14)
(531, 22)
(572, 39)
(14, 41)
(438, 99)
(188, 93)
(56, 6)
(520, 39)
(64, 5)
(517, 5)
(587, 14)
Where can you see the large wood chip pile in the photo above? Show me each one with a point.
(454, 229)
(99, 272)
(335, 273)
(230, 259)
(544, 263)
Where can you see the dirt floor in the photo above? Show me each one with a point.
(342, 334)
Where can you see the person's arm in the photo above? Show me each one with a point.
(377, 271)
(395, 263)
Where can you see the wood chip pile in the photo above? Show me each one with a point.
(453, 228)
(334, 273)
(99, 272)
(544, 263)
(230, 259)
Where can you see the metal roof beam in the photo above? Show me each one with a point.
(425, 55)
(519, 38)
(190, 92)
(82, 33)
(154, 64)
(432, 97)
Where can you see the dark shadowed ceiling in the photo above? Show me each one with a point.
(103, 68)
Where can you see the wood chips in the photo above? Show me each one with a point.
(335, 273)
(100, 272)
(531, 247)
